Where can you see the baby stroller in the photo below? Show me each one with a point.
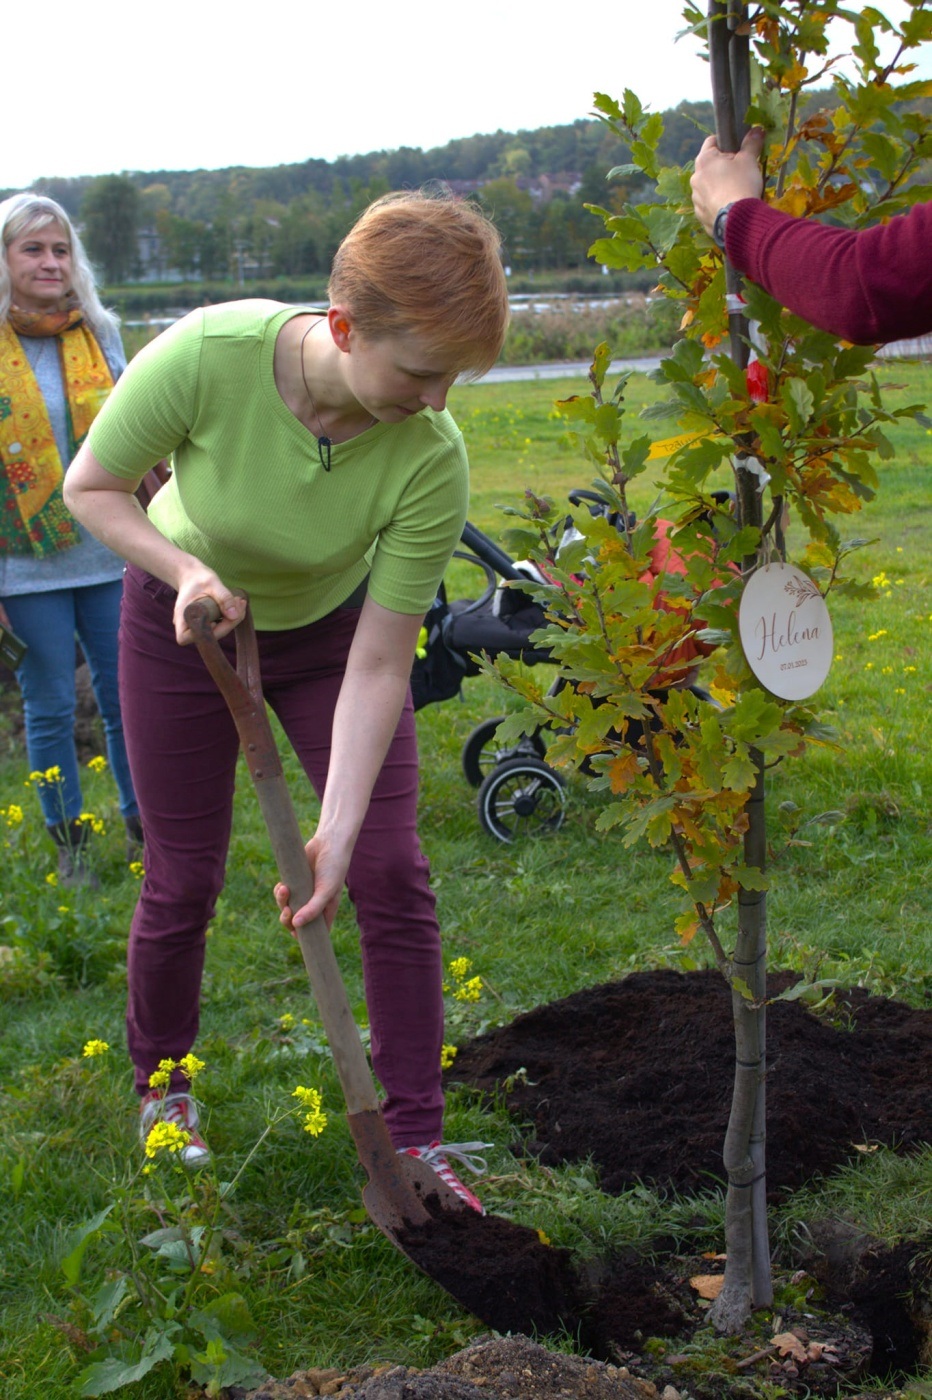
(518, 793)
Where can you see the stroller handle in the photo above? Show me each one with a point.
(489, 553)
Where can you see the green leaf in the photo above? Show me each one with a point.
(220, 1367)
(750, 878)
(634, 456)
(806, 991)
(630, 255)
(156, 1238)
(753, 716)
(799, 402)
(228, 1316)
(740, 772)
(71, 1263)
(103, 1377)
(606, 106)
(663, 226)
(601, 362)
(107, 1300)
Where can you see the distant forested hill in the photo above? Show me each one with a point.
(246, 223)
(582, 148)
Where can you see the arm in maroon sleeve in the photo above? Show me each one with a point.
(867, 285)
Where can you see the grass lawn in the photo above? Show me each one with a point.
(850, 866)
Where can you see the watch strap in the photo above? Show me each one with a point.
(718, 228)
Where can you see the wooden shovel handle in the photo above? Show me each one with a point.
(242, 690)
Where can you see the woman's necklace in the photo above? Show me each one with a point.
(324, 443)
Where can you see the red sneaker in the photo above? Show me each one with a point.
(181, 1110)
(435, 1154)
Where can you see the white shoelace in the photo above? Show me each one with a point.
(463, 1152)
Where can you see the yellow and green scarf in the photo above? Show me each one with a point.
(33, 516)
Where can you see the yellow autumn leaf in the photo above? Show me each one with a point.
(793, 201)
(707, 1285)
(794, 76)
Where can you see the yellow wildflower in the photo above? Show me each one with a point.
(880, 580)
(13, 814)
(314, 1123)
(875, 636)
(469, 991)
(286, 1022)
(95, 823)
(160, 1078)
(459, 968)
(307, 1098)
(137, 868)
(97, 764)
(190, 1066)
(315, 1120)
(166, 1135)
(51, 878)
(95, 1047)
(43, 779)
(447, 1056)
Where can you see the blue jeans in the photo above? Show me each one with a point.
(48, 624)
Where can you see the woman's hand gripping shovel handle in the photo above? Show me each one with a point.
(397, 1184)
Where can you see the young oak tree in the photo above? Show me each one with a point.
(775, 421)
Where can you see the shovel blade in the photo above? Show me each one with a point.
(398, 1185)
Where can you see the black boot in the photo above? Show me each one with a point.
(72, 840)
(134, 839)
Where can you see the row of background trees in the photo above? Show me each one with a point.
(287, 220)
(243, 224)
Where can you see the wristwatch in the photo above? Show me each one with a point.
(718, 228)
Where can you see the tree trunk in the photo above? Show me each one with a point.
(748, 1281)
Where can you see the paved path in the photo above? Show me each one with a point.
(565, 369)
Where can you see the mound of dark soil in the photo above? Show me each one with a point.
(638, 1076)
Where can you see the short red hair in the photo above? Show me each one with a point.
(430, 265)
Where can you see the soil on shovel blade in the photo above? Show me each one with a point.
(636, 1076)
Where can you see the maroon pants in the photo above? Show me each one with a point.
(183, 747)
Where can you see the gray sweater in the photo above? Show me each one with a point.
(88, 562)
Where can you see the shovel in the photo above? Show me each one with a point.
(398, 1186)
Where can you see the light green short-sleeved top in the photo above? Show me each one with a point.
(249, 495)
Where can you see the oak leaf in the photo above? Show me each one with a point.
(707, 1285)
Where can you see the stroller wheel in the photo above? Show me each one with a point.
(521, 797)
(481, 754)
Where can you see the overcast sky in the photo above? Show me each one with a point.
(186, 84)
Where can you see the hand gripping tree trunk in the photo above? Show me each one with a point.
(747, 1271)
